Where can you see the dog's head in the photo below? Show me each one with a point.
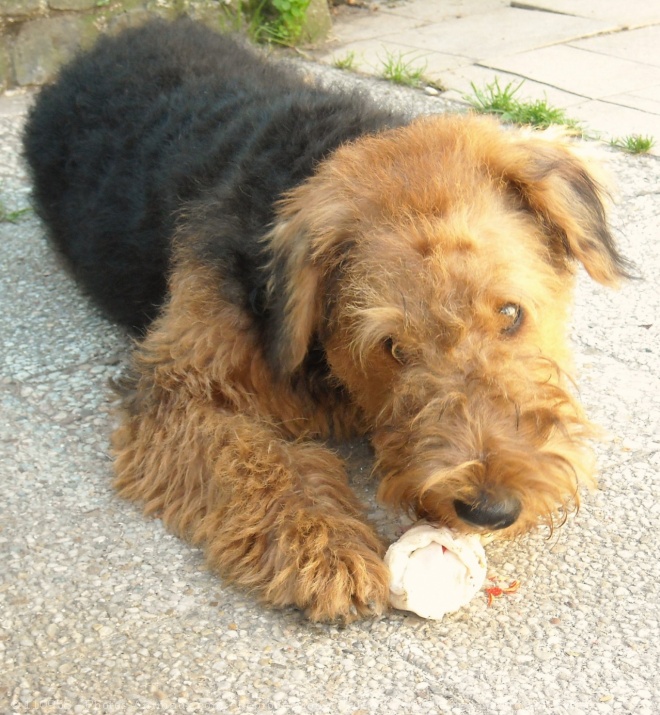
(435, 265)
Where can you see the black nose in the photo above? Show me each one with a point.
(490, 511)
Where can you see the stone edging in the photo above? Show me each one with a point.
(38, 36)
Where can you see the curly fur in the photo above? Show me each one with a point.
(161, 117)
(303, 263)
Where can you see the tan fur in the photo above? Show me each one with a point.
(400, 252)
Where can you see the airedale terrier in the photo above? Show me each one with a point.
(303, 264)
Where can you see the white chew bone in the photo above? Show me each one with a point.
(434, 571)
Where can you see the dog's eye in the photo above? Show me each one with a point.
(513, 315)
(392, 347)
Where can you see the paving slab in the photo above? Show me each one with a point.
(646, 99)
(621, 121)
(625, 14)
(102, 611)
(365, 26)
(577, 71)
(369, 56)
(642, 45)
(501, 31)
(436, 11)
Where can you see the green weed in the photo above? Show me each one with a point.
(401, 71)
(634, 143)
(502, 101)
(278, 21)
(7, 216)
(345, 63)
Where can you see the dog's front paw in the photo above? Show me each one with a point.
(352, 584)
(332, 569)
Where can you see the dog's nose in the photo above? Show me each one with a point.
(490, 511)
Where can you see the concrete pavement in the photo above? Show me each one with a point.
(597, 59)
(102, 611)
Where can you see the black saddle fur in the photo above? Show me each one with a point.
(172, 122)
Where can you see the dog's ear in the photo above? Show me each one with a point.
(564, 192)
(306, 242)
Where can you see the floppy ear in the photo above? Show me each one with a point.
(562, 190)
(307, 243)
(294, 297)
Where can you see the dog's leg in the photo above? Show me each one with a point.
(272, 515)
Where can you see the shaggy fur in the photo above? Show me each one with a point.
(303, 264)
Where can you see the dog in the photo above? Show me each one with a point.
(301, 264)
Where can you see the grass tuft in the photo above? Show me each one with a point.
(503, 102)
(7, 216)
(401, 71)
(634, 143)
(345, 63)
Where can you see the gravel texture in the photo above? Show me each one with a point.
(102, 611)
